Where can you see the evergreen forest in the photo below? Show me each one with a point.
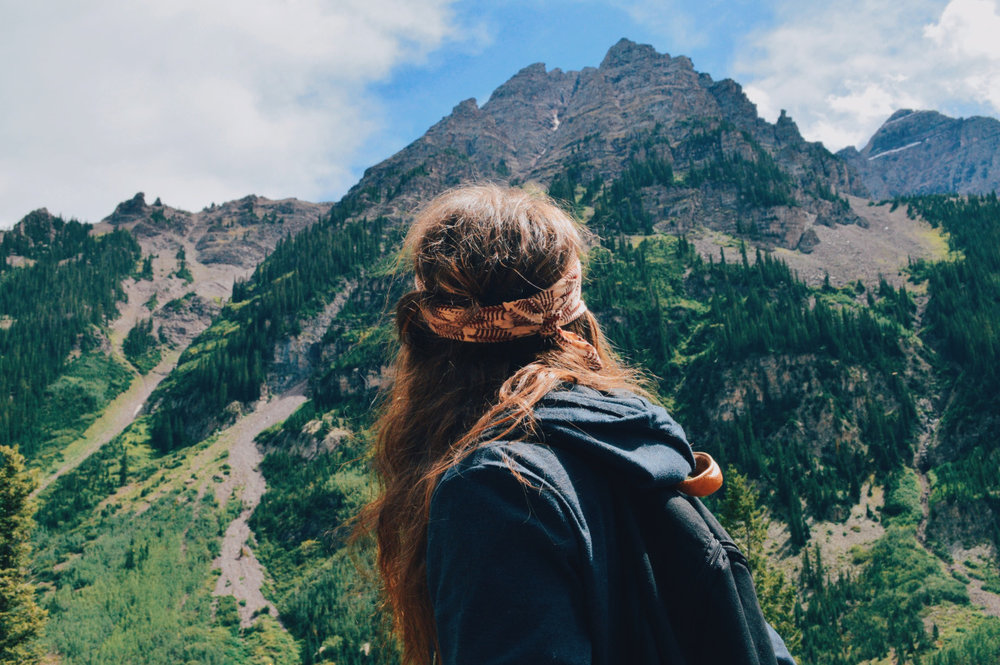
(859, 413)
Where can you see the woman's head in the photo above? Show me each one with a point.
(498, 270)
(473, 249)
(489, 244)
(496, 265)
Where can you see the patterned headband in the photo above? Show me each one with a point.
(541, 314)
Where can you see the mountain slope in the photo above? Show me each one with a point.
(637, 103)
(113, 306)
(925, 152)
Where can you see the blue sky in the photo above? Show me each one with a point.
(200, 102)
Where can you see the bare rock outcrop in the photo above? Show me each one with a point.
(925, 152)
(637, 105)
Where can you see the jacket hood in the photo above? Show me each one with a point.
(620, 431)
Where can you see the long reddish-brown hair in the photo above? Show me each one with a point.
(482, 244)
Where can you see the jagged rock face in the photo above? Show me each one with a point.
(925, 152)
(128, 211)
(238, 233)
(637, 104)
(243, 232)
(196, 257)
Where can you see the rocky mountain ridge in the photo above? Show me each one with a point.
(638, 104)
(197, 256)
(925, 152)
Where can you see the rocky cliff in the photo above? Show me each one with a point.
(195, 257)
(637, 106)
(925, 152)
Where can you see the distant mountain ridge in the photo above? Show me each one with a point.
(925, 152)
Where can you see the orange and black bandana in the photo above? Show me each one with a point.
(541, 314)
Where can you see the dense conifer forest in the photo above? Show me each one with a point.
(50, 308)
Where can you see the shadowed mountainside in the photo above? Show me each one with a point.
(925, 152)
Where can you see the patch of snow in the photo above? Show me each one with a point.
(889, 152)
(902, 117)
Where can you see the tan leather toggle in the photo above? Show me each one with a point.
(705, 479)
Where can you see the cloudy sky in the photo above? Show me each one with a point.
(199, 102)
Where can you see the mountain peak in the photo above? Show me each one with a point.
(901, 113)
(129, 210)
(626, 52)
(529, 78)
(639, 108)
(786, 128)
(466, 106)
(534, 69)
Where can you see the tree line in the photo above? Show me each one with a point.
(52, 307)
(229, 361)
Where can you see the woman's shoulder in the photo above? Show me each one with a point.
(528, 474)
(517, 460)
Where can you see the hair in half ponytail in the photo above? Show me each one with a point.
(475, 245)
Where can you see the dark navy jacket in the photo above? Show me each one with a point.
(529, 570)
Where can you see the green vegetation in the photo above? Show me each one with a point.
(42, 237)
(53, 307)
(146, 271)
(183, 271)
(72, 402)
(759, 180)
(302, 525)
(962, 324)
(71, 498)
(126, 571)
(131, 587)
(902, 498)
(361, 340)
(877, 611)
(895, 304)
(21, 620)
(964, 307)
(228, 361)
(719, 158)
(981, 646)
(141, 347)
(740, 512)
(620, 206)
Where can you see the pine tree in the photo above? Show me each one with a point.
(21, 620)
(123, 468)
(743, 517)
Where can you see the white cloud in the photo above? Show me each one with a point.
(968, 28)
(968, 34)
(194, 101)
(840, 69)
